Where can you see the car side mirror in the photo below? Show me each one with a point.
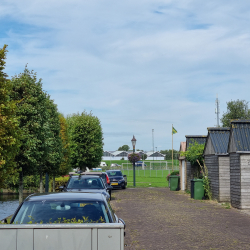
(5, 221)
(61, 188)
(124, 175)
(109, 187)
(122, 221)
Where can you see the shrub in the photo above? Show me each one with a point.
(176, 172)
(60, 181)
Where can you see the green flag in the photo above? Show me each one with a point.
(174, 131)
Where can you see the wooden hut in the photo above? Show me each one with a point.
(183, 167)
(239, 151)
(217, 162)
(191, 169)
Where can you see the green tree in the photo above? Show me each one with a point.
(9, 127)
(64, 134)
(123, 148)
(31, 112)
(235, 110)
(168, 153)
(86, 140)
(52, 142)
(194, 153)
(144, 156)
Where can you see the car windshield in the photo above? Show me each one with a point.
(114, 173)
(85, 183)
(62, 212)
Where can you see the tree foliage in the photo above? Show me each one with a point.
(9, 129)
(64, 134)
(194, 153)
(52, 140)
(86, 140)
(168, 153)
(235, 110)
(31, 113)
(123, 148)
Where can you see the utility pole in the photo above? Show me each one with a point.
(153, 144)
(217, 109)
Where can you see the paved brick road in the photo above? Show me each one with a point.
(157, 218)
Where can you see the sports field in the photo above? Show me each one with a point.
(147, 178)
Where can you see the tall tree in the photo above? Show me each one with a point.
(9, 129)
(52, 142)
(64, 134)
(86, 140)
(123, 148)
(31, 111)
(235, 110)
(168, 153)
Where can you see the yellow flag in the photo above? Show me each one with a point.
(174, 131)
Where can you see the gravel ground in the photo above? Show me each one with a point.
(157, 218)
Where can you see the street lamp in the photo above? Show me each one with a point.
(133, 144)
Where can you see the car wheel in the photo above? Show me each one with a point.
(124, 186)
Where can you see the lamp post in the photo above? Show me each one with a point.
(133, 143)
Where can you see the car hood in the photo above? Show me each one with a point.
(102, 191)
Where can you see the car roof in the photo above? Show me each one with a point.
(66, 196)
(91, 173)
(85, 176)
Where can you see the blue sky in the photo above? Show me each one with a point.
(137, 65)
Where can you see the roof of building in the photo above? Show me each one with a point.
(239, 136)
(217, 141)
(190, 139)
(154, 154)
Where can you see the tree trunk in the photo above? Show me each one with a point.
(54, 181)
(20, 187)
(41, 182)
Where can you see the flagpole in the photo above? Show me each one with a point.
(172, 151)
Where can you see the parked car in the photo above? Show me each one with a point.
(117, 180)
(139, 164)
(105, 179)
(65, 207)
(86, 183)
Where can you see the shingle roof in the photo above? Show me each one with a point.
(240, 135)
(219, 138)
(200, 139)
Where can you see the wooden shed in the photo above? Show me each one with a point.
(239, 151)
(217, 162)
(183, 168)
(191, 169)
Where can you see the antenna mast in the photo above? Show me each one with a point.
(217, 109)
(153, 143)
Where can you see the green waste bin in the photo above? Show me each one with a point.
(174, 182)
(197, 189)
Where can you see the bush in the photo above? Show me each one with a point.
(60, 181)
(176, 172)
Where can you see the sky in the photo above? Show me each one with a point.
(136, 65)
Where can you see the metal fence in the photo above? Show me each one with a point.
(152, 169)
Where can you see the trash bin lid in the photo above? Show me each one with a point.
(201, 180)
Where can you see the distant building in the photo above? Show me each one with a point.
(118, 155)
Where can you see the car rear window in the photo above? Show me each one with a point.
(85, 183)
(62, 212)
(114, 173)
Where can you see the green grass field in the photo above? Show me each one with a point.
(147, 178)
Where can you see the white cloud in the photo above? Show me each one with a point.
(137, 65)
